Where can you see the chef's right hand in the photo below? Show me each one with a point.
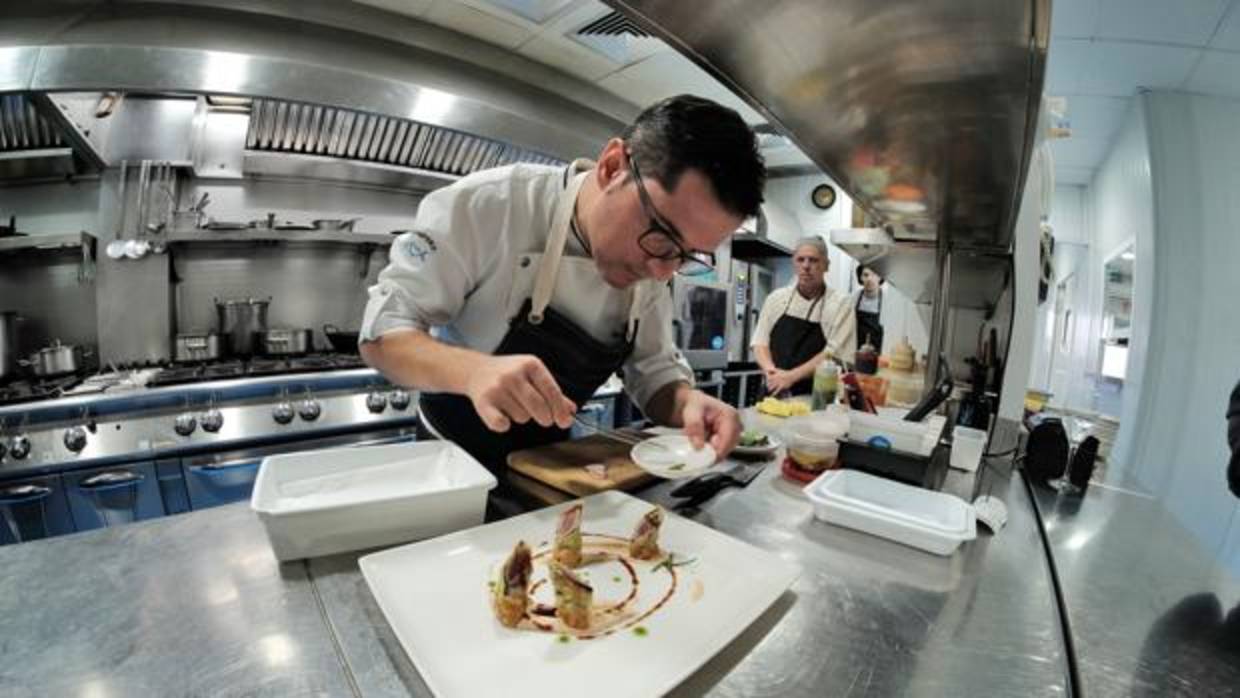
(518, 388)
(779, 381)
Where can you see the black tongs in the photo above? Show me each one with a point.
(700, 489)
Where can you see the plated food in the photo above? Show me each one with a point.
(645, 542)
(513, 587)
(650, 628)
(565, 565)
(568, 537)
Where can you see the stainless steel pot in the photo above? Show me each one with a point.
(285, 342)
(199, 346)
(56, 360)
(8, 344)
(239, 321)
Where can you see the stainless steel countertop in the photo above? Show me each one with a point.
(1151, 612)
(196, 605)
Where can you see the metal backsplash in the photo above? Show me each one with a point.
(289, 127)
(309, 283)
(50, 290)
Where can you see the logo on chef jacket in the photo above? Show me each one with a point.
(420, 246)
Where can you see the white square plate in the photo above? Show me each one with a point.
(435, 596)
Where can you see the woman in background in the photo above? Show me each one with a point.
(868, 305)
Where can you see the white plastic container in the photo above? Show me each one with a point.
(328, 501)
(932, 521)
(910, 437)
(968, 445)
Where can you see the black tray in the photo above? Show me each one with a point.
(901, 466)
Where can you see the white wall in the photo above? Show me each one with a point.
(1191, 354)
(792, 194)
(1119, 210)
(1067, 221)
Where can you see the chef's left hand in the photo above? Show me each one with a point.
(706, 419)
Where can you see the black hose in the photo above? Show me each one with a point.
(1065, 624)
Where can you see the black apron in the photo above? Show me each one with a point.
(868, 326)
(578, 362)
(795, 341)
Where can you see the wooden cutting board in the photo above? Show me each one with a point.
(561, 466)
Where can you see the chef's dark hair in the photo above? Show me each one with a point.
(683, 132)
(862, 267)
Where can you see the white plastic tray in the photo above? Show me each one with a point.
(932, 521)
(327, 501)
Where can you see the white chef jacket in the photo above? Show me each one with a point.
(834, 312)
(469, 265)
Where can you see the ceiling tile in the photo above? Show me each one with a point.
(411, 8)
(536, 12)
(1096, 117)
(1119, 69)
(1228, 36)
(474, 22)
(1218, 73)
(567, 55)
(1074, 18)
(1079, 152)
(1063, 65)
(1190, 22)
(666, 74)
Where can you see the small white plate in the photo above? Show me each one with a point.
(772, 445)
(673, 457)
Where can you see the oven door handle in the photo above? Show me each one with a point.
(23, 494)
(111, 480)
(208, 468)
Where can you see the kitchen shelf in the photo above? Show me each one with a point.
(55, 241)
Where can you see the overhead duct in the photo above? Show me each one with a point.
(278, 126)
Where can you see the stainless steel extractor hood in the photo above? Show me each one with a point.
(39, 140)
(925, 111)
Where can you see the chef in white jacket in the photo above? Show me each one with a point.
(521, 289)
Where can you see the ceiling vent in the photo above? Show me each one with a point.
(618, 38)
(613, 24)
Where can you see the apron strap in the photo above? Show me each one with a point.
(549, 265)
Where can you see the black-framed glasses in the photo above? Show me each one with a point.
(661, 240)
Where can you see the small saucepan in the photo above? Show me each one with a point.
(56, 360)
(342, 341)
(284, 342)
